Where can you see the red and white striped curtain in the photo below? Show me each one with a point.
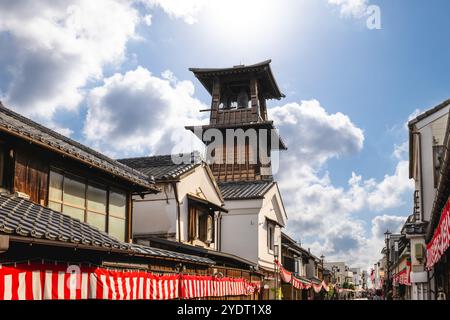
(60, 282)
(403, 277)
(441, 238)
(288, 277)
(205, 286)
(298, 284)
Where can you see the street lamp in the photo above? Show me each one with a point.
(387, 236)
(322, 257)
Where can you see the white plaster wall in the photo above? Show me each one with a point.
(157, 213)
(200, 184)
(240, 229)
(431, 129)
(272, 208)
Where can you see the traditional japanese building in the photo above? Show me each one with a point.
(438, 233)
(66, 227)
(240, 142)
(426, 149)
(187, 215)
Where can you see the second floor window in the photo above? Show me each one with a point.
(97, 205)
(201, 225)
(270, 235)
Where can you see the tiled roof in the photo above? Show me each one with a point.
(21, 217)
(244, 189)
(146, 250)
(25, 128)
(266, 77)
(163, 167)
(429, 112)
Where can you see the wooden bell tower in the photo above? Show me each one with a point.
(238, 106)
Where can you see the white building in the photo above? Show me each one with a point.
(426, 138)
(357, 278)
(252, 227)
(341, 271)
(189, 208)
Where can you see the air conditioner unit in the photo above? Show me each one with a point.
(418, 251)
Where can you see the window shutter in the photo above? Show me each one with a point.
(202, 227)
(191, 224)
(210, 228)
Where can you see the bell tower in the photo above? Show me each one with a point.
(239, 136)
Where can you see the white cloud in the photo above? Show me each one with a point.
(139, 113)
(330, 216)
(316, 135)
(183, 9)
(351, 8)
(60, 46)
(401, 151)
(386, 222)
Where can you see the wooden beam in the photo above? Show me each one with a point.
(4, 243)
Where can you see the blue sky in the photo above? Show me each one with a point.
(83, 68)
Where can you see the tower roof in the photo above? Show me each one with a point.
(262, 70)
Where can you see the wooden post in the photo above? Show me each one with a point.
(215, 102)
(254, 98)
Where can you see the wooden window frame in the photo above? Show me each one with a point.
(270, 236)
(87, 182)
(195, 225)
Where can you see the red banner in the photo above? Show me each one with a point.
(441, 238)
(62, 282)
(403, 277)
(288, 277)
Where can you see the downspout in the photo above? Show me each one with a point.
(175, 190)
(219, 232)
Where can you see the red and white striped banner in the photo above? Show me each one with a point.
(317, 287)
(299, 284)
(132, 285)
(60, 282)
(288, 277)
(325, 286)
(441, 238)
(403, 277)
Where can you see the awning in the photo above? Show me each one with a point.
(441, 238)
(205, 203)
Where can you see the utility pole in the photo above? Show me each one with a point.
(387, 236)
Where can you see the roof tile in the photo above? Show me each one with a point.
(20, 125)
(244, 189)
(24, 218)
(164, 167)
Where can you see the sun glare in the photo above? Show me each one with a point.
(243, 22)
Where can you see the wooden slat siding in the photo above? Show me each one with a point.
(215, 102)
(234, 116)
(254, 97)
(31, 176)
(263, 107)
(129, 218)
